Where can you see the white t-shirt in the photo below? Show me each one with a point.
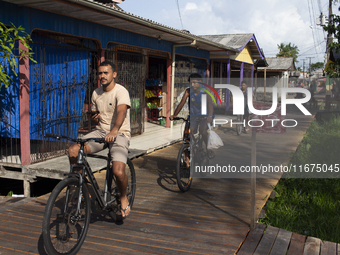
(106, 103)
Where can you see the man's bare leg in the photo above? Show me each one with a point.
(122, 181)
(187, 155)
(73, 154)
(204, 132)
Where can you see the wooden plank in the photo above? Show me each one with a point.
(18, 202)
(252, 240)
(297, 244)
(312, 246)
(328, 248)
(267, 241)
(281, 243)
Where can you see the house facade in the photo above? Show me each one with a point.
(276, 74)
(242, 66)
(70, 39)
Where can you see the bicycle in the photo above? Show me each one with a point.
(240, 127)
(239, 119)
(67, 213)
(193, 144)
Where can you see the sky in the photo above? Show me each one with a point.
(272, 21)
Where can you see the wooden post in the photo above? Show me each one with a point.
(253, 182)
(228, 81)
(25, 145)
(168, 91)
(100, 60)
(265, 83)
(27, 184)
(241, 73)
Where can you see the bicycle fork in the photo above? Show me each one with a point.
(80, 192)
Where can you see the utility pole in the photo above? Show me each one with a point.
(329, 35)
(310, 68)
(303, 71)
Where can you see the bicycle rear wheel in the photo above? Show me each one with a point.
(130, 193)
(64, 229)
(184, 179)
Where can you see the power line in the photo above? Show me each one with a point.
(179, 13)
(311, 21)
(311, 48)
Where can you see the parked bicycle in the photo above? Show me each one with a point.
(192, 153)
(67, 213)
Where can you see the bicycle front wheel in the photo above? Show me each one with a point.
(66, 218)
(184, 179)
(239, 127)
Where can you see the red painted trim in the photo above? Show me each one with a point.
(100, 60)
(168, 91)
(25, 145)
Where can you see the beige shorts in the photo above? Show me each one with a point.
(118, 149)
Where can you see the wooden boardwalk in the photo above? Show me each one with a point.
(270, 240)
(212, 218)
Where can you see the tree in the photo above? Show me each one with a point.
(288, 50)
(316, 66)
(9, 38)
(333, 27)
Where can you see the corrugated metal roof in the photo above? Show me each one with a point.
(110, 16)
(232, 40)
(284, 64)
(238, 41)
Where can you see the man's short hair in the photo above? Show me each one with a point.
(194, 75)
(244, 82)
(108, 63)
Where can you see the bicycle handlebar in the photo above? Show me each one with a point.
(78, 140)
(179, 118)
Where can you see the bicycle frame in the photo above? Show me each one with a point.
(86, 171)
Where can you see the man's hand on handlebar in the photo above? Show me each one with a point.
(110, 137)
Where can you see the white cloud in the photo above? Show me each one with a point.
(190, 6)
(272, 21)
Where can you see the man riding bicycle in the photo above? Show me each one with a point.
(247, 113)
(112, 102)
(197, 120)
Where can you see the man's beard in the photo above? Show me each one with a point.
(105, 84)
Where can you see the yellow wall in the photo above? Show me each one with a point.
(243, 56)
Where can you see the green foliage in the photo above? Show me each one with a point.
(288, 50)
(10, 193)
(9, 37)
(317, 65)
(310, 206)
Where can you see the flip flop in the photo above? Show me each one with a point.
(124, 210)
